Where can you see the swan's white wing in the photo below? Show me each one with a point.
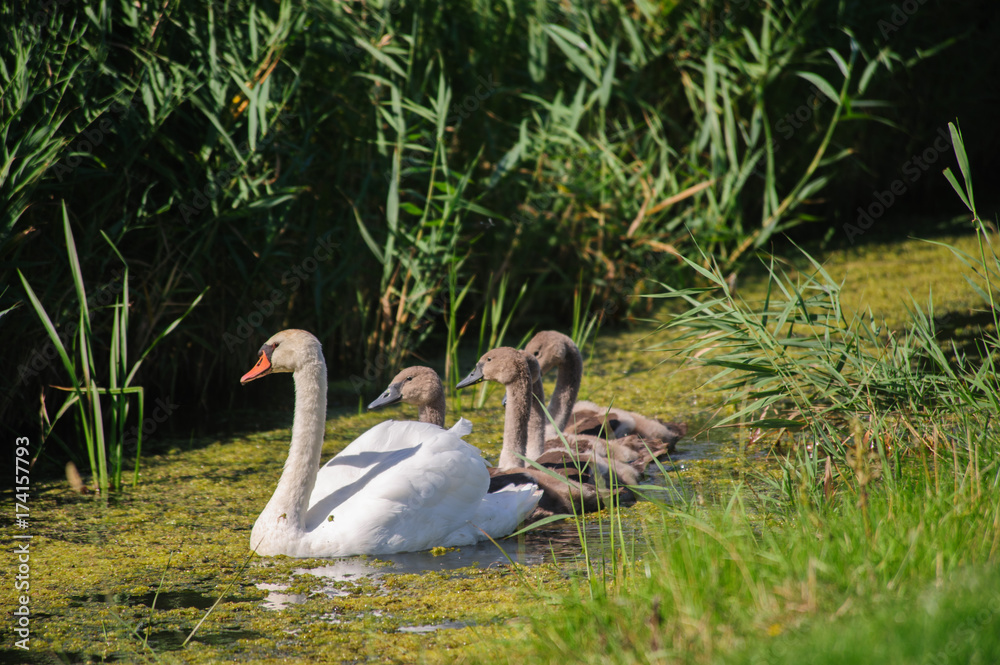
(400, 486)
(462, 428)
(372, 449)
(498, 514)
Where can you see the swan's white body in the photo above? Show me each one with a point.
(399, 487)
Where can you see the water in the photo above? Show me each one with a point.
(432, 627)
(558, 542)
(164, 599)
(278, 601)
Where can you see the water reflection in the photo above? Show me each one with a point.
(437, 626)
(699, 449)
(558, 542)
(279, 601)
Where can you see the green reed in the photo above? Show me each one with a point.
(105, 450)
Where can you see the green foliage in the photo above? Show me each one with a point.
(755, 582)
(954, 622)
(799, 361)
(352, 169)
(104, 451)
(713, 176)
(147, 129)
(865, 531)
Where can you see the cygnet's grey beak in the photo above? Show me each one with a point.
(475, 376)
(391, 395)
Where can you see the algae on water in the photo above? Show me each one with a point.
(96, 591)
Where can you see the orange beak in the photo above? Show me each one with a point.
(262, 368)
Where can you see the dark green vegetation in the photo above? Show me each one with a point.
(353, 170)
(404, 178)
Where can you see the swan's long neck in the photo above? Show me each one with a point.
(567, 387)
(433, 411)
(515, 423)
(288, 505)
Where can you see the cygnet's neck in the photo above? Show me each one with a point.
(535, 443)
(433, 411)
(516, 416)
(567, 386)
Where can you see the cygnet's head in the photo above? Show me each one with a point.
(534, 370)
(503, 364)
(416, 385)
(534, 367)
(286, 351)
(550, 348)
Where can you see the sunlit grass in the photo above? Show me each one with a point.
(729, 584)
(862, 540)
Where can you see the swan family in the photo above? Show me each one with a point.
(409, 486)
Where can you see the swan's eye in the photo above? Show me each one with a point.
(409, 378)
(536, 354)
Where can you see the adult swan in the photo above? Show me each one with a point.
(399, 487)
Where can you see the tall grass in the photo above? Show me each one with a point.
(498, 312)
(106, 452)
(884, 513)
(799, 361)
(738, 585)
(149, 127)
(699, 160)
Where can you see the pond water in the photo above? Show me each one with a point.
(557, 542)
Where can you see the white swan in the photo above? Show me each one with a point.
(399, 487)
